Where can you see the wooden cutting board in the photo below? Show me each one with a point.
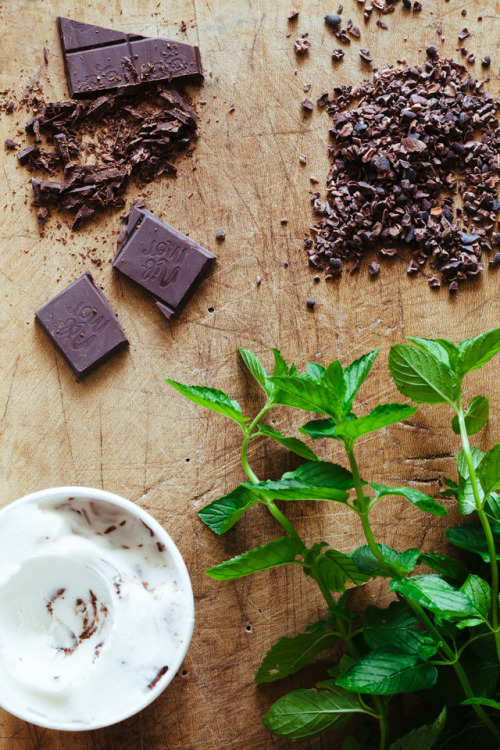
(125, 430)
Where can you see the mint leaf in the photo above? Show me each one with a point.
(319, 429)
(488, 471)
(399, 563)
(472, 539)
(315, 370)
(420, 499)
(476, 417)
(317, 390)
(323, 474)
(394, 627)
(355, 375)
(258, 371)
(475, 352)
(445, 565)
(222, 514)
(422, 738)
(441, 349)
(335, 568)
(489, 702)
(382, 416)
(304, 713)
(351, 743)
(388, 672)
(211, 398)
(281, 551)
(288, 655)
(462, 465)
(293, 444)
(435, 594)
(422, 377)
(479, 592)
(280, 366)
(303, 392)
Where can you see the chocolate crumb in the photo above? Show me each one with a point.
(303, 159)
(301, 46)
(10, 144)
(158, 677)
(486, 61)
(220, 235)
(310, 303)
(307, 105)
(293, 15)
(258, 281)
(374, 269)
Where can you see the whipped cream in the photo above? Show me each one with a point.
(95, 612)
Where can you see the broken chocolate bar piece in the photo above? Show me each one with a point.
(82, 326)
(163, 261)
(98, 59)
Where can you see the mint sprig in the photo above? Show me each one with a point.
(441, 638)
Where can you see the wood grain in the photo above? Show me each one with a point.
(124, 430)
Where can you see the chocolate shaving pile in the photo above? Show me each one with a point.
(405, 146)
(100, 143)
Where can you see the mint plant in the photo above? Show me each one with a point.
(440, 637)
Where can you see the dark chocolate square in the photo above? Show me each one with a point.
(162, 260)
(82, 326)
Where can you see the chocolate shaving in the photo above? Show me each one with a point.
(101, 143)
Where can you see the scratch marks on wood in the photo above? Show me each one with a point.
(9, 392)
(63, 408)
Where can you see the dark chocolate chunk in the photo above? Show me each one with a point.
(82, 326)
(163, 261)
(98, 59)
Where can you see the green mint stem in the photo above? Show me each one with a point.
(283, 520)
(363, 503)
(453, 660)
(485, 524)
(248, 431)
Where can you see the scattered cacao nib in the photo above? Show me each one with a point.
(310, 303)
(333, 20)
(258, 281)
(407, 4)
(495, 261)
(486, 61)
(307, 105)
(10, 144)
(101, 143)
(293, 15)
(471, 58)
(220, 235)
(337, 54)
(365, 55)
(354, 32)
(322, 98)
(463, 35)
(404, 146)
(301, 46)
(381, 24)
(432, 52)
(374, 269)
(303, 159)
(45, 55)
(434, 282)
(417, 7)
(464, 11)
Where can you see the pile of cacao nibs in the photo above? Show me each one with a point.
(98, 144)
(414, 164)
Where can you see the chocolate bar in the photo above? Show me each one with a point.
(82, 326)
(99, 59)
(161, 260)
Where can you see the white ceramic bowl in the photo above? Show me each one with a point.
(79, 568)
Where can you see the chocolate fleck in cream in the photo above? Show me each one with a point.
(90, 621)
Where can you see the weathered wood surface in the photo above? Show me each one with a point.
(124, 430)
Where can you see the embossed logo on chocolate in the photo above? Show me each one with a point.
(83, 325)
(164, 263)
(100, 75)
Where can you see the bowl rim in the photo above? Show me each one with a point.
(89, 493)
